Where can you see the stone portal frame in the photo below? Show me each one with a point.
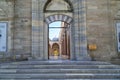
(53, 18)
(78, 29)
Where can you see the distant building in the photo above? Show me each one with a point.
(54, 45)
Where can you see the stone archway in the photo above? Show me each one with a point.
(43, 14)
(55, 46)
(56, 10)
(57, 17)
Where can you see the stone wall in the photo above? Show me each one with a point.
(38, 32)
(101, 29)
(7, 16)
(22, 28)
(27, 34)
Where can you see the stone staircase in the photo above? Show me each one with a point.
(59, 70)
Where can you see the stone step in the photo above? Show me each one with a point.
(59, 66)
(42, 71)
(59, 70)
(61, 62)
(47, 66)
(60, 79)
(59, 76)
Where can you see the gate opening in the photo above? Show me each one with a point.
(59, 41)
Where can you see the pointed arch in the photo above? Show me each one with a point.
(69, 4)
(56, 45)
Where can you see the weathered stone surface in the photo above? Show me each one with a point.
(94, 22)
(62, 70)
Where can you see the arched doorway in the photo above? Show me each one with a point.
(55, 46)
(47, 11)
(63, 14)
(59, 38)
